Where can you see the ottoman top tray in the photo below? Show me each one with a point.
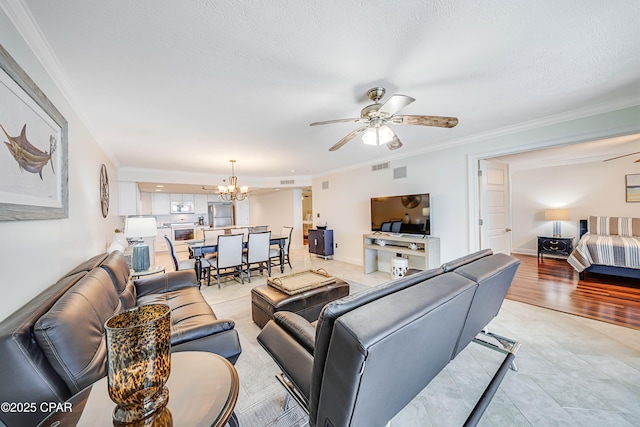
(302, 281)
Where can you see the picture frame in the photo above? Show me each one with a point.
(33, 157)
(632, 188)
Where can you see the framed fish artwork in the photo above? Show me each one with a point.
(33, 153)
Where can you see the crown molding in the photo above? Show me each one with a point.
(20, 17)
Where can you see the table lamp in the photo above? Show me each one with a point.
(136, 228)
(556, 215)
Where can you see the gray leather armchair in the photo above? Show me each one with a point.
(399, 335)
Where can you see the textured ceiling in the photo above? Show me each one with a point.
(188, 85)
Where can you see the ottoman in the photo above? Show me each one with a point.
(266, 300)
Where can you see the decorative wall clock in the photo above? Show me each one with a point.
(104, 190)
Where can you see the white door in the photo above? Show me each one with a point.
(494, 206)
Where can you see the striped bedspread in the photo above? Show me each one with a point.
(618, 251)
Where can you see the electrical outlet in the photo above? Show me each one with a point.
(336, 245)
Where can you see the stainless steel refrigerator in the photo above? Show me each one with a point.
(221, 214)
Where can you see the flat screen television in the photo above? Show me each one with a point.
(407, 214)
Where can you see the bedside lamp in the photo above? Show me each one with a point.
(556, 215)
(137, 228)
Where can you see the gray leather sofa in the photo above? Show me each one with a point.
(54, 345)
(371, 353)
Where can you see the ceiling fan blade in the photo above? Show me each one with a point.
(624, 155)
(347, 138)
(336, 121)
(439, 121)
(394, 104)
(395, 143)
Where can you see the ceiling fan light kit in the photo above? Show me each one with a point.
(377, 135)
(377, 118)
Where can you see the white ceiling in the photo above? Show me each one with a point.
(189, 85)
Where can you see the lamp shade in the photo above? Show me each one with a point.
(140, 227)
(556, 215)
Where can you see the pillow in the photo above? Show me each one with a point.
(614, 226)
(599, 225)
(629, 227)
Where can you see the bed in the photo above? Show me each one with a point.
(608, 245)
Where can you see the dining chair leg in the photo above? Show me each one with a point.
(218, 274)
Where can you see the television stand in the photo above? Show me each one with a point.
(378, 257)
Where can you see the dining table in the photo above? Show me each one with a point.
(198, 249)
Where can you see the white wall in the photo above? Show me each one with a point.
(277, 209)
(596, 188)
(445, 175)
(34, 254)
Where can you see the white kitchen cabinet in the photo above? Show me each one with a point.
(213, 198)
(145, 206)
(161, 243)
(161, 204)
(128, 198)
(201, 203)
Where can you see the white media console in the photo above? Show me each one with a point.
(377, 255)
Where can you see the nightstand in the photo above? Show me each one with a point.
(554, 246)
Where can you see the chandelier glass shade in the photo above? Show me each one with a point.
(232, 191)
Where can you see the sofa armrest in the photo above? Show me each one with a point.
(295, 361)
(298, 328)
(168, 282)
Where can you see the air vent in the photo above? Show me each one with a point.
(287, 181)
(380, 166)
(400, 172)
(325, 185)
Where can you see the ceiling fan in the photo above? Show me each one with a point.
(377, 118)
(624, 155)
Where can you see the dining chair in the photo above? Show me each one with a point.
(244, 231)
(386, 226)
(395, 226)
(188, 263)
(229, 259)
(211, 238)
(274, 254)
(258, 253)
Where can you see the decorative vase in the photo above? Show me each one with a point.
(138, 361)
(141, 256)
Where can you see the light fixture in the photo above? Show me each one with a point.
(136, 228)
(232, 191)
(377, 133)
(556, 215)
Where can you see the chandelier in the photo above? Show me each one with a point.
(232, 191)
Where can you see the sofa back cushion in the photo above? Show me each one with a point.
(120, 274)
(337, 308)
(71, 333)
(463, 260)
(383, 353)
(25, 374)
(494, 275)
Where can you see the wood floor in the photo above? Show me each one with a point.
(554, 284)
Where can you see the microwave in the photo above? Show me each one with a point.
(182, 207)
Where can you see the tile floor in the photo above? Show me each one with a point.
(572, 371)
